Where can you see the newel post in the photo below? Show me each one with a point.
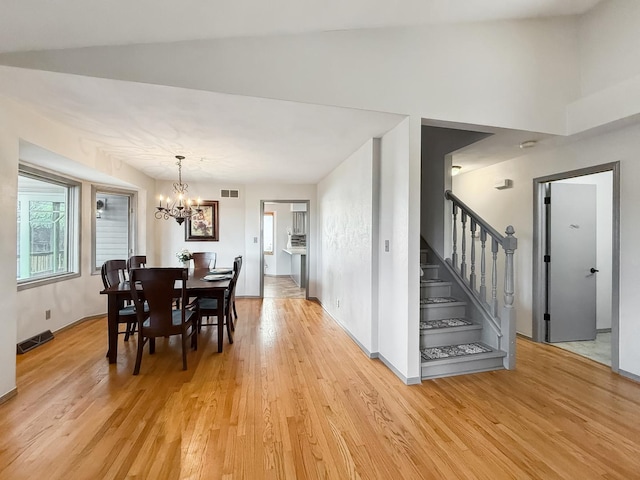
(508, 317)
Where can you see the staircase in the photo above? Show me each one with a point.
(454, 338)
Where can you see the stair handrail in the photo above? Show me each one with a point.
(504, 322)
(449, 195)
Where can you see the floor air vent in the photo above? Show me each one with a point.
(33, 342)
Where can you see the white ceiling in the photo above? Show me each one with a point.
(46, 24)
(226, 138)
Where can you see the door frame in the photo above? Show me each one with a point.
(308, 204)
(539, 248)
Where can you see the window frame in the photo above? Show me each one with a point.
(74, 225)
(96, 191)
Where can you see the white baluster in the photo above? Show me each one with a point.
(472, 277)
(454, 255)
(510, 243)
(508, 317)
(494, 277)
(483, 265)
(463, 265)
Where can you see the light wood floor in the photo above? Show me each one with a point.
(295, 398)
(282, 287)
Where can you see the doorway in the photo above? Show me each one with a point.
(576, 262)
(284, 240)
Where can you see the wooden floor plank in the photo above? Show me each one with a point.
(295, 398)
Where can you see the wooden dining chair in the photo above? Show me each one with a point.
(204, 259)
(136, 261)
(237, 266)
(209, 307)
(157, 286)
(113, 273)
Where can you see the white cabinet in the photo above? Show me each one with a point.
(298, 266)
(299, 223)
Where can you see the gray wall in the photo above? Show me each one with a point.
(437, 143)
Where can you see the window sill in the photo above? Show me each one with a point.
(26, 284)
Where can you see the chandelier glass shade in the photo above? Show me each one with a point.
(180, 206)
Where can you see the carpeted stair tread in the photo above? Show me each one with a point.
(438, 300)
(445, 323)
(451, 351)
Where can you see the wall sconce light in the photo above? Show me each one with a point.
(502, 183)
(101, 205)
(528, 144)
(455, 169)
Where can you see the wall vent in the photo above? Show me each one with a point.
(33, 342)
(229, 193)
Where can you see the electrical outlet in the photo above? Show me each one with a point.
(47, 314)
(255, 239)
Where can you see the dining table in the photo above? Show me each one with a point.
(197, 286)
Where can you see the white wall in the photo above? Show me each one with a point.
(283, 225)
(609, 66)
(279, 263)
(604, 231)
(239, 224)
(398, 277)
(9, 196)
(253, 194)
(608, 39)
(345, 223)
(70, 300)
(515, 206)
(518, 74)
(271, 261)
(170, 237)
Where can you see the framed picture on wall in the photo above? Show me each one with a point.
(203, 226)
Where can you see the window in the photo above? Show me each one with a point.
(268, 233)
(113, 232)
(48, 221)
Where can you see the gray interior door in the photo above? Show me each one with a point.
(572, 247)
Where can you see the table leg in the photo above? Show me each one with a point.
(112, 318)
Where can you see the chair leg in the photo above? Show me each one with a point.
(131, 327)
(220, 328)
(235, 313)
(183, 337)
(136, 368)
(230, 327)
(194, 336)
(152, 346)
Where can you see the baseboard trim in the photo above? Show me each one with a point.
(344, 328)
(9, 395)
(405, 380)
(77, 322)
(629, 375)
(373, 355)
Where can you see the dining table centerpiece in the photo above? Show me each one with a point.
(184, 256)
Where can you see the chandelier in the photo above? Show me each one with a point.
(182, 206)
